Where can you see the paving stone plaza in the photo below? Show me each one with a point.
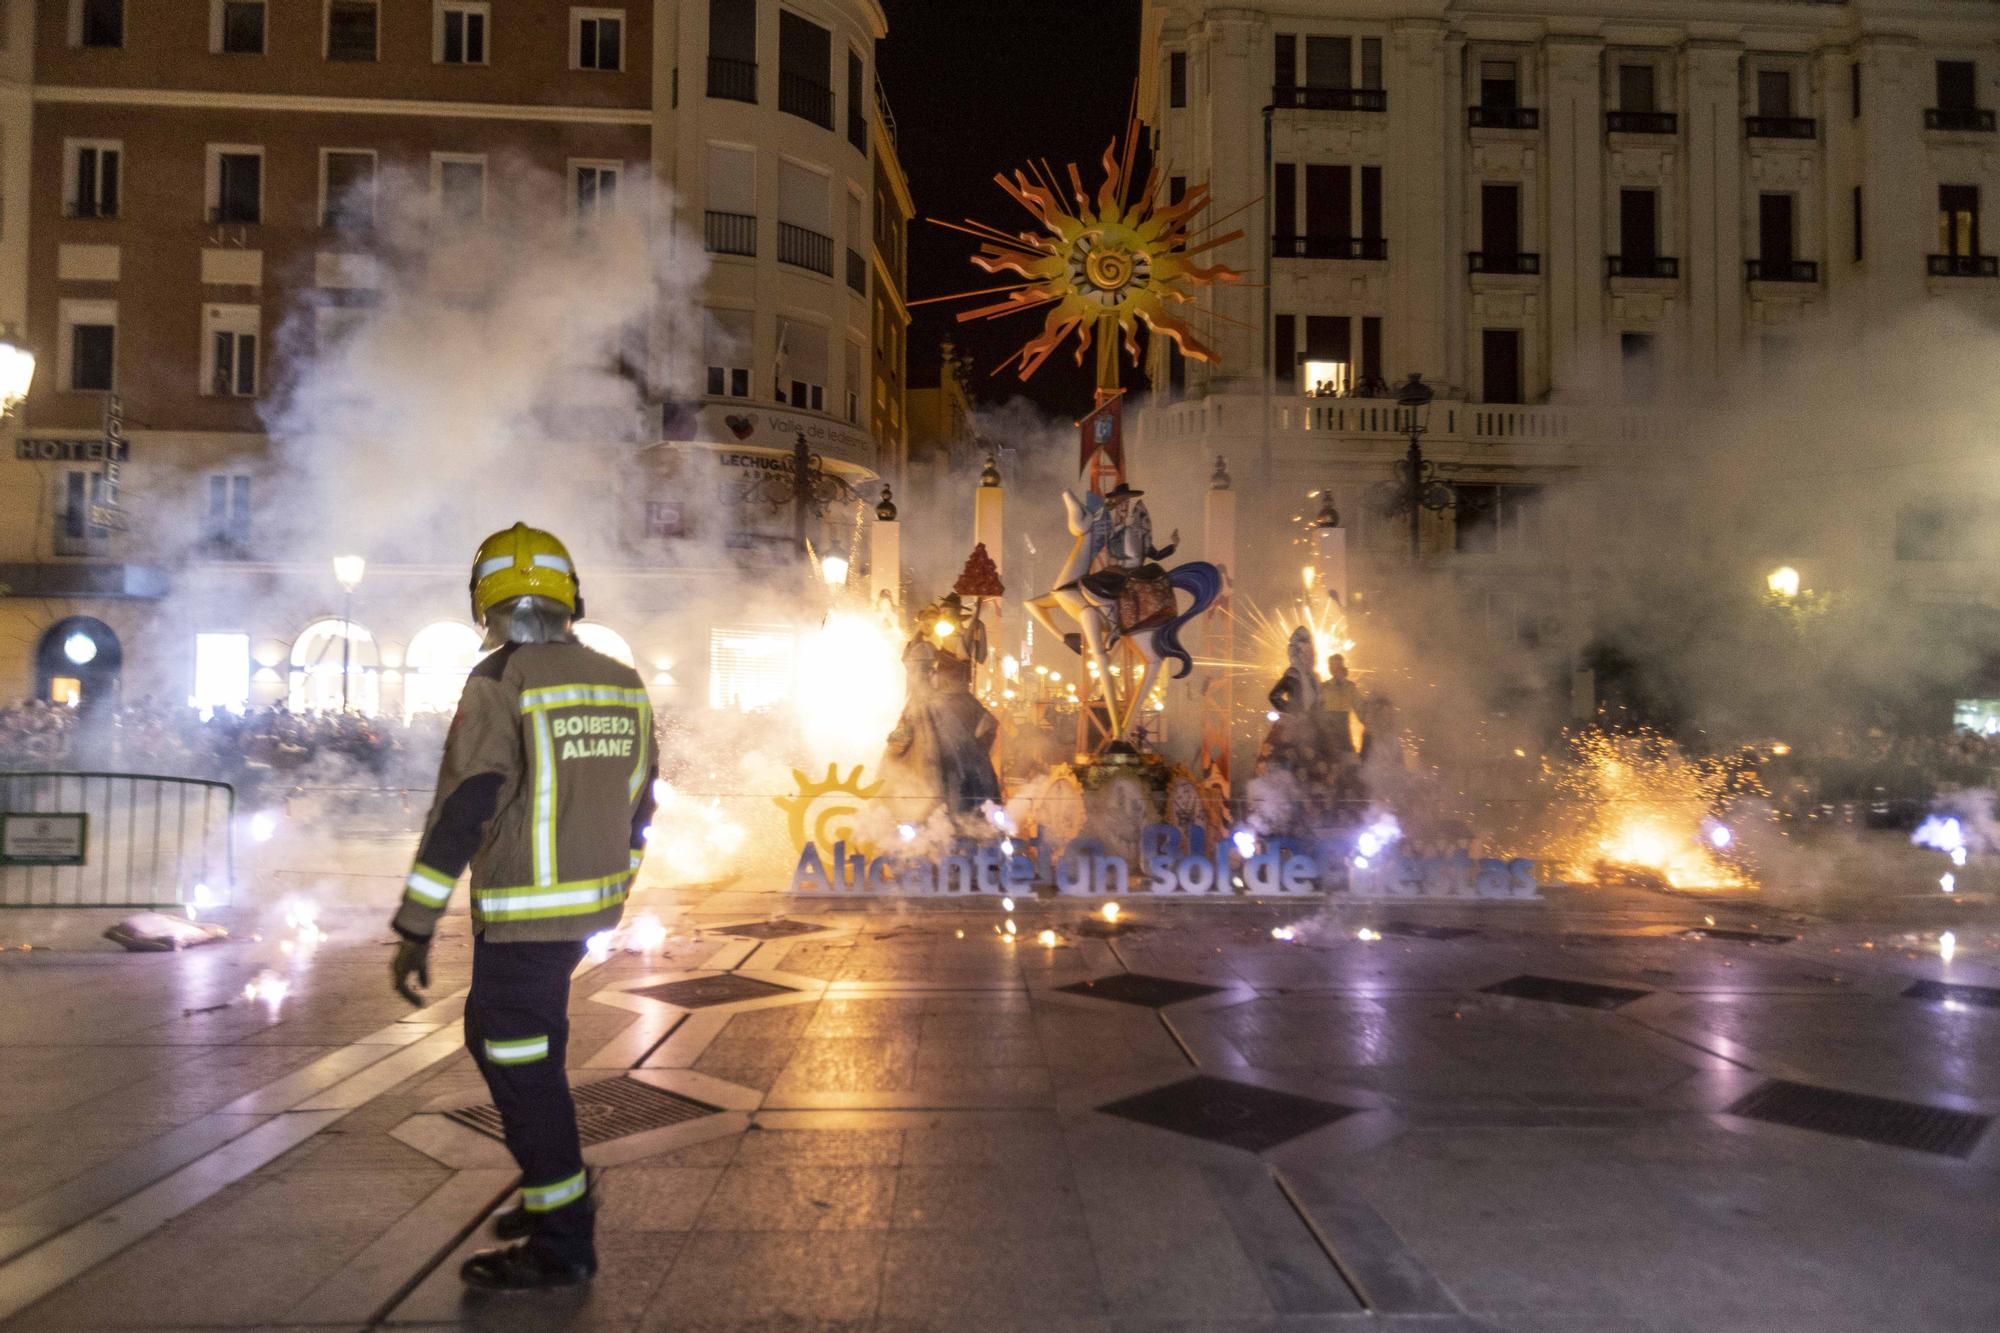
(1566, 1115)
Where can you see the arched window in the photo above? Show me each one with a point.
(326, 653)
(605, 640)
(436, 665)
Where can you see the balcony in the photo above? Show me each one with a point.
(1503, 118)
(1515, 262)
(1641, 266)
(1330, 99)
(1975, 119)
(803, 248)
(732, 80)
(1781, 270)
(1641, 122)
(89, 208)
(857, 273)
(1780, 127)
(808, 99)
(729, 233)
(1329, 247)
(1964, 266)
(234, 215)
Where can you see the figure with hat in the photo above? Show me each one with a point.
(1132, 578)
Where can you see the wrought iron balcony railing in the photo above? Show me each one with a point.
(1965, 266)
(1330, 99)
(1504, 117)
(802, 247)
(1781, 270)
(732, 80)
(1642, 122)
(1329, 247)
(1780, 127)
(1514, 261)
(729, 233)
(1641, 266)
(805, 98)
(1975, 118)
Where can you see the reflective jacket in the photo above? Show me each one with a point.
(545, 791)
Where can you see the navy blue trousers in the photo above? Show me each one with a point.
(517, 1027)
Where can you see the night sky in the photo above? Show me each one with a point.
(978, 89)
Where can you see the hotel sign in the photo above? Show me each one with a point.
(28, 450)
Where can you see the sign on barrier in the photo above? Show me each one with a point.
(43, 840)
(115, 840)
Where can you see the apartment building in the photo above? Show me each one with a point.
(1566, 222)
(185, 185)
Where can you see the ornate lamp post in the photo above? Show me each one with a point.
(808, 487)
(1417, 487)
(347, 571)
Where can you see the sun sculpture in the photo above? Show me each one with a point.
(1102, 265)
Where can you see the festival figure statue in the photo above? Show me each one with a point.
(910, 764)
(1312, 740)
(1130, 597)
(965, 732)
(1340, 699)
(1296, 695)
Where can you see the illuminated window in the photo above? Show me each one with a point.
(750, 667)
(326, 651)
(221, 672)
(436, 665)
(605, 640)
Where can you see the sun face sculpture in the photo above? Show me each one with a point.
(1102, 265)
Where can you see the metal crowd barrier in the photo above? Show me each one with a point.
(147, 841)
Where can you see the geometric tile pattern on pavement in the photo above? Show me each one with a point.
(1855, 1115)
(1238, 1115)
(701, 992)
(1557, 990)
(1986, 997)
(766, 930)
(1140, 989)
(608, 1109)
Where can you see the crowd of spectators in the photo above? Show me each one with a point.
(259, 748)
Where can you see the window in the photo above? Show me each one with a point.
(77, 535)
(1177, 78)
(853, 384)
(221, 671)
(857, 104)
(1176, 189)
(593, 188)
(236, 27)
(805, 57)
(229, 351)
(1329, 201)
(459, 182)
(88, 351)
(1371, 62)
(1958, 220)
(459, 35)
(1285, 61)
(1497, 519)
(351, 29)
(1775, 230)
(1329, 358)
(805, 218)
(597, 39)
(1371, 352)
(1774, 93)
(1500, 219)
(730, 221)
(1854, 90)
(1285, 349)
(751, 667)
(235, 184)
(1637, 89)
(91, 171)
(347, 188)
(1284, 199)
(1371, 204)
(1499, 85)
(98, 23)
(1640, 364)
(1638, 224)
(1329, 62)
(1957, 85)
(227, 521)
(800, 381)
(732, 50)
(1500, 360)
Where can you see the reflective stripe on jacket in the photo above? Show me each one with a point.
(545, 790)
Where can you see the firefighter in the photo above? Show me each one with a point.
(545, 791)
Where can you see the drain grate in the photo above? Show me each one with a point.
(1556, 990)
(1984, 996)
(609, 1109)
(1410, 930)
(702, 992)
(1097, 928)
(1240, 1115)
(1740, 936)
(1854, 1115)
(768, 930)
(1140, 989)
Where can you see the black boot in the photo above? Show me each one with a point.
(524, 1267)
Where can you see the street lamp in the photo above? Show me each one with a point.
(1417, 487)
(347, 571)
(1783, 582)
(834, 570)
(17, 371)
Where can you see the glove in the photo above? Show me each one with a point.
(412, 958)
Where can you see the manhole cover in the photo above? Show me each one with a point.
(767, 930)
(1138, 988)
(1240, 1115)
(701, 992)
(1984, 996)
(1855, 1115)
(1740, 936)
(1411, 930)
(1556, 990)
(609, 1109)
(1096, 927)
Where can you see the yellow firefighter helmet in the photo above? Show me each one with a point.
(523, 562)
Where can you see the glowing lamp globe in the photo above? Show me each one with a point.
(17, 373)
(80, 648)
(834, 570)
(1783, 581)
(348, 569)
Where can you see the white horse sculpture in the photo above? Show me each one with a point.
(1097, 617)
